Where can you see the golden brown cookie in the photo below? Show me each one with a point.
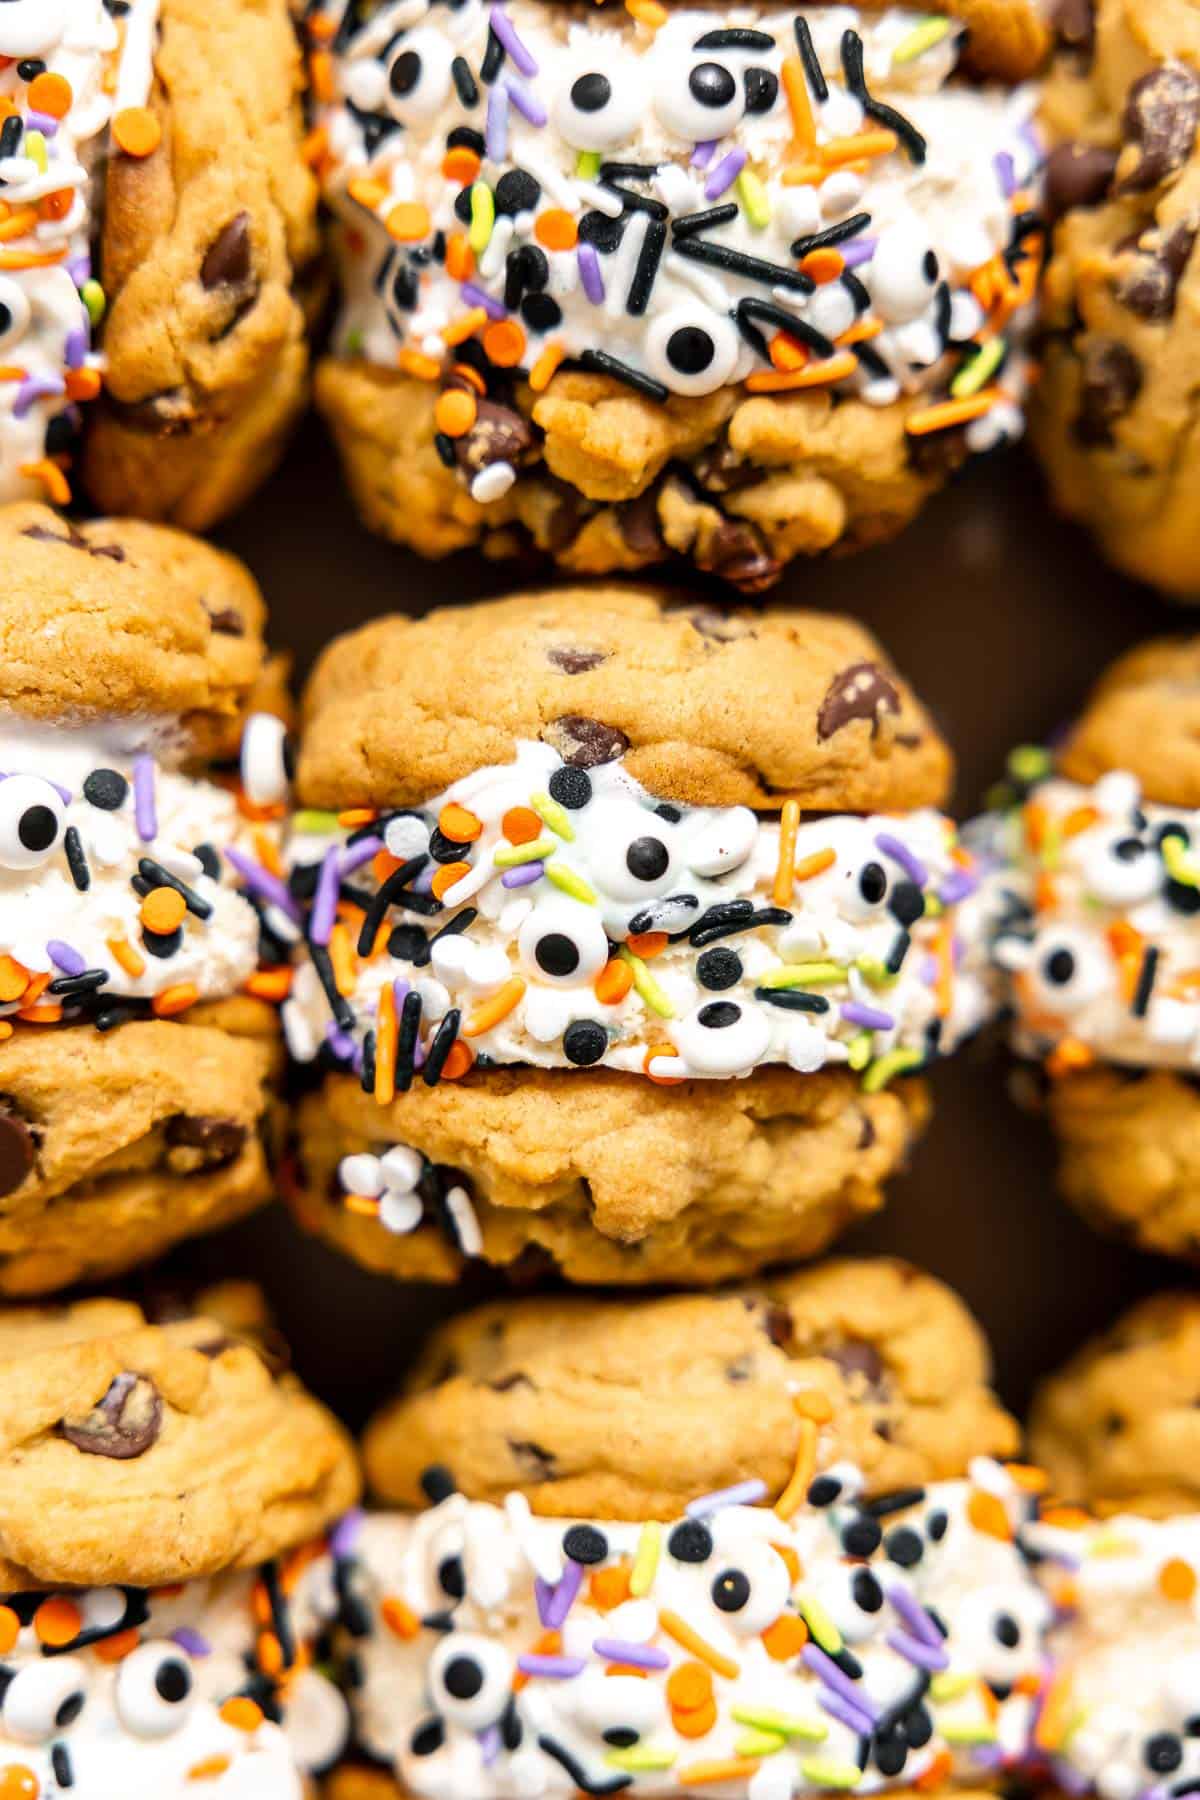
(117, 619)
(607, 1177)
(373, 1784)
(613, 1409)
(1113, 416)
(1144, 717)
(710, 708)
(207, 247)
(115, 1145)
(140, 1454)
(1117, 1428)
(618, 375)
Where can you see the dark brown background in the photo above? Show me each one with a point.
(1001, 616)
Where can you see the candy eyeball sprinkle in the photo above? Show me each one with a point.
(698, 101)
(32, 821)
(903, 274)
(418, 76)
(866, 887)
(43, 1699)
(599, 108)
(155, 1690)
(692, 349)
(1121, 869)
(1000, 1633)
(27, 27)
(722, 1037)
(470, 1680)
(619, 1709)
(563, 942)
(853, 1598)
(15, 313)
(1066, 969)
(643, 850)
(751, 1593)
(266, 760)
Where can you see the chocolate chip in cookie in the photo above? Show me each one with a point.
(227, 261)
(586, 743)
(123, 1425)
(16, 1146)
(1152, 285)
(573, 660)
(1076, 175)
(862, 691)
(206, 1144)
(1162, 111)
(1111, 379)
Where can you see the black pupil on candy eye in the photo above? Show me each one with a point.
(711, 85)
(38, 828)
(621, 1737)
(1164, 1752)
(1129, 849)
(463, 1678)
(5, 318)
(1007, 1631)
(718, 1014)
(690, 350)
(173, 1682)
(930, 266)
(762, 90)
(872, 883)
(730, 1591)
(647, 859)
(406, 72)
(867, 1592)
(591, 93)
(1060, 966)
(69, 1711)
(557, 954)
(451, 1577)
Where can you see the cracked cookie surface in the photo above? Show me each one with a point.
(610, 1178)
(140, 1454)
(524, 1395)
(1117, 1428)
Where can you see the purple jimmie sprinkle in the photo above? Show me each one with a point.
(554, 1603)
(523, 875)
(869, 1017)
(37, 387)
(1006, 173)
(325, 899)
(638, 1656)
(75, 348)
(65, 957)
(400, 991)
(743, 1493)
(145, 811)
(261, 881)
(80, 269)
(194, 1642)
(725, 174)
(900, 853)
(496, 138)
(814, 1658)
(914, 1651)
(527, 104)
(490, 1744)
(46, 123)
(859, 250)
(853, 1716)
(915, 1616)
(589, 273)
(506, 31)
(556, 1668)
(340, 1042)
(64, 793)
(475, 296)
(958, 885)
(704, 152)
(358, 854)
(343, 1539)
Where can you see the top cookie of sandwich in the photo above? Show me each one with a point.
(144, 1455)
(745, 708)
(1144, 717)
(118, 619)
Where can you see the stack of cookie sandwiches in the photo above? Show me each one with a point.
(628, 926)
(157, 224)
(144, 922)
(728, 283)
(1098, 926)
(162, 1491)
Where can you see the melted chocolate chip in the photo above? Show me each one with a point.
(213, 1143)
(586, 743)
(226, 622)
(169, 414)
(1150, 288)
(638, 524)
(499, 434)
(535, 1463)
(854, 1356)
(227, 260)
(574, 661)
(711, 622)
(1076, 175)
(123, 1425)
(17, 1146)
(778, 1325)
(736, 553)
(1110, 381)
(862, 691)
(73, 539)
(1162, 110)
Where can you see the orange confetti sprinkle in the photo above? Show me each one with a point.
(57, 1621)
(18, 1782)
(689, 1687)
(1177, 1580)
(209, 1769)
(175, 999)
(521, 825)
(408, 222)
(136, 131)
(455, 412)
(504, 343)
(648, 944)
(460, 258)
(786, 1638)
(83, 385)
(461, 164)
(14, 978)
(609, 1588)
(10, 1629)
(989, 1514)
(115, 1649)
(447, 875)
(555, 229)
(823, 265)
(695, 1724)
(416, 363)
(613, 982)
(163, 910)
(50, 93)
(242, 1713)
(458, 824)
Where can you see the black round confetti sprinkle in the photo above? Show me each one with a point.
(690, 1542)
(861, 1537)
(584, 1544)
(571, 787)
(584, 1042)
(717, 969)
(904, 1546)
(105, 788)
